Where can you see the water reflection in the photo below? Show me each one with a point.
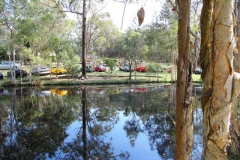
(106, 122)
(59, 92)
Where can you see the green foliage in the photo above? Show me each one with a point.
(45, 29)
(161, 36)
(103, 33)
(40, 28)
(28, 57)
(154, 67)
(232, 156)
(3, 53)
(134, 46)
(111, 63)
(72, 68)
(1, 6)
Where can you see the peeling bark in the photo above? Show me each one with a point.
(216, 56)
(237, 34)
(234, 130)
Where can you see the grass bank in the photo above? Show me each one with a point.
(96, 78)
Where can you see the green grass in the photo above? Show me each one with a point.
(116, 77)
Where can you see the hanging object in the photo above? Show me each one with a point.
(140, 14)
(192, 46)
(174, 8)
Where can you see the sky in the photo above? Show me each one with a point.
(116, 12)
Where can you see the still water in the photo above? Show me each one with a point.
(92, 122)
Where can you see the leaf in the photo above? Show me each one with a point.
(141, 15)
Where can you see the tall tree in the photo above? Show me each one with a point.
(72, 6)
(84, 41)
(162, 36)
(101, 31)
(184, 73)
(135, 48)
(220, 80)
(10, 13)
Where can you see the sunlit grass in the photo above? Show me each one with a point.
(115, 77)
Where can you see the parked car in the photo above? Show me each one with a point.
(141, 69)
(154, 69)
(8, 65)
(88, 69)
(198, 71)
(56, 70)
(41, 71)
(100, 68)
(122, 68)
(18, 73)
(126, 68)
(1, 75)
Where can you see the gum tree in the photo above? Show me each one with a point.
(184, 73)
(135, 48)
(220, 81)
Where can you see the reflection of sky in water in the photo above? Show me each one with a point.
(120, 142)
(141, 150)
(73, 131)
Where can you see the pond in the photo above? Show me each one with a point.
(92, 122)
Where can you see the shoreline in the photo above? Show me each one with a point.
(96, 80)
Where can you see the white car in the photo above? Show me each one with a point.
(122, 68)
(9, 65)
(198, 71)
(126, 68)
(41, 71)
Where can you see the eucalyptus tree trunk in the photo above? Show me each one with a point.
(219, 91)
(237, 34)
(130, 69)
(184, 73)
(235, 127)
(84, 45)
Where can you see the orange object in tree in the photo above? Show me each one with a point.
(141, 15)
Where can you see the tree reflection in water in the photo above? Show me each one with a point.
(132, 128)
(108, 122)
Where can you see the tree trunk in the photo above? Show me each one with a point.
(84, 45)
(183, 90)
(216, 57)
(234, 129)
(130, 68)
(237, 34)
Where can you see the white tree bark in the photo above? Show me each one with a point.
(218, 96)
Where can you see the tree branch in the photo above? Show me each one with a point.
(174, 9)
(56, 7)
(124, 12)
